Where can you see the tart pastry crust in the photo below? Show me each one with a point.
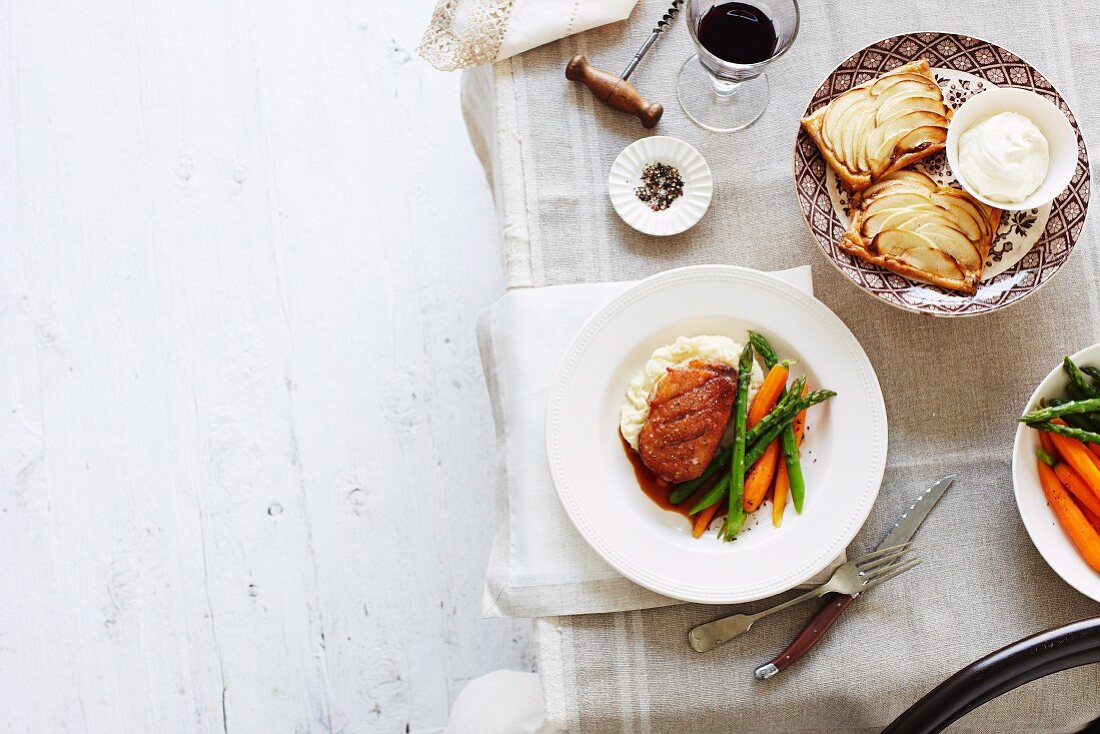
(882, 125)
(908, 223)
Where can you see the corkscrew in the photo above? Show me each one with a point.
(616, 91)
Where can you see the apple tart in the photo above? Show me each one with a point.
(908, 223)
(882, 125)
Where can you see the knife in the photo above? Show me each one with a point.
(902, 532)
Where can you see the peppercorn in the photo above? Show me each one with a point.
(661, 185)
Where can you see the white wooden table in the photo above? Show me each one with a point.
(244, 440)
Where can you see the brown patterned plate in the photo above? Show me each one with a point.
(1029, 247)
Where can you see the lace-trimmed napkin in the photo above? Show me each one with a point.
(540, 566)
(473, 32)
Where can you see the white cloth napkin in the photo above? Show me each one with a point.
(536, 22)
(540, 566)
(466, 33)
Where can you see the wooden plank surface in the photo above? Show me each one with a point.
(245, 445)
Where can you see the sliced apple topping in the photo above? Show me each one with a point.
(902, 104)
(905, 217)
(922, 137)
(870, 128)
(884, 82)
(895, 199)
(934, 261)
(909, 223)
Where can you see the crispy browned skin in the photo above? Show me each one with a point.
(688, 414)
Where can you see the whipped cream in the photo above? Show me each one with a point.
(1004, 158)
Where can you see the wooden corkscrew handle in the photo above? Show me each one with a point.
(613, 90)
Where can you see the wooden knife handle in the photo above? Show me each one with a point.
(613, 90)
(808, 637)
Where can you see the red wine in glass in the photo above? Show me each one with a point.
(723, 87)
(738, 33)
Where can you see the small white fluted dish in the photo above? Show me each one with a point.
(1060, 135)
(625, 177)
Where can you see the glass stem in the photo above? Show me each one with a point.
(723, 88)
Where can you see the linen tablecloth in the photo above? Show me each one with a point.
(953, 387)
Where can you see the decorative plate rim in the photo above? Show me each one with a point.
(1064, 227)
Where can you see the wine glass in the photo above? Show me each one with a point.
(728, 94)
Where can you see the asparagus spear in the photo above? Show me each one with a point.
(761, 444)
(764, 349)
(1075, 392)
(1069, 432)
(1080, 389)
(1083, 422)
(685, 489)
(788, 441)
(1044, 457)
(1057, 411)
(785, 408)
(713, 495)
(1094, 373)
(1078, 382)
(718, 491)
(735, 519)
(1087, 422)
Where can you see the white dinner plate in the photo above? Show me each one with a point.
(1042, 525)
(844, 451)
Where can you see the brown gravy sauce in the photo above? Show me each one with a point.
(654, 487)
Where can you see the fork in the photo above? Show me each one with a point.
(853, 578)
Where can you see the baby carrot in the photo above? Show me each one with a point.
(769, 393)
(760, 478)
(1091, 516)
(1073, 521)
(1081, 459)
(1048, 445)
(1077, 487)
(702, 520)
(779, 499)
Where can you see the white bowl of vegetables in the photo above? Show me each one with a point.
(1056, 470)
